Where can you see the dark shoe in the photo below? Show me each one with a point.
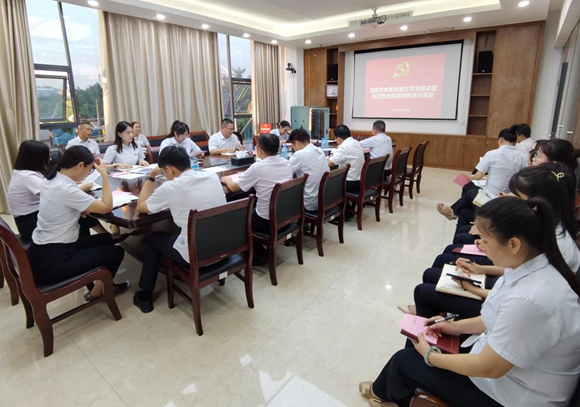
(348, 215)
(119, 237)
(145, 306)
(119, 288)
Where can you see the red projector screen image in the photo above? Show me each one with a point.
(406, 87)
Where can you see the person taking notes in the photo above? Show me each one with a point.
(125, 152)
(225, 141)
(179, 136)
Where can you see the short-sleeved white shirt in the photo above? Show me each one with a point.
(532, 318)
(276, 132)
(23, 192)
(188, 144)
(128, 155)
(500, 165)
(312, 161)
(350, 152)
(90, 144)
(525, 146)
(191, 190)
(380, 146)
(568, 248)
(262, 176)
(61, 205)
(218, 141)
(142, 141)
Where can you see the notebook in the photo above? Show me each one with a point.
(462, 180)
(481, 198)
(412, 325)
(448, 286)
(469, 249)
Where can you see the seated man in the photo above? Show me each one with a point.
(183, 191)
(84, 131)
(380, 144)
(349, 151)
(225, 141)
(525, 141)
(307, 159)
(262, 176)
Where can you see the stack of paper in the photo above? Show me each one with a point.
(121, 198)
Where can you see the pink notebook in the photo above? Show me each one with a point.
(462, 180)
(412, 325)
(470, 249)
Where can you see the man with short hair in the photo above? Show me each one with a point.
(380, 144)
(84, 138)
(262, 176)
(349, 151)
(183, 191)
(525, 141)
(224, 141)
(307, 159)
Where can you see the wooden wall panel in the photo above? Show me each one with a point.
(473, 150)
(315, 69)
(435, 152)
(453, 156)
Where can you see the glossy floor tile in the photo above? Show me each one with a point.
(329, 324)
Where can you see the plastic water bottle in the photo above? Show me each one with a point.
(324, 142)
(250, 146)
(194, 164)
(284, 152)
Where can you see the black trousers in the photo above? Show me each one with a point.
(56, 262)
(447, 257)
(160, 244)
(407, 371)
(27, 223)
(260, 224)
(464, 208)
(462, 235)
(468, 187)
(353, 187)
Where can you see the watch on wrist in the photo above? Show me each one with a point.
(427, 352)
(151, 179)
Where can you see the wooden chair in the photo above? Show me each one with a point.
(415, 171)
(213, 255)
(371, 184)
(4, 274)
(286, 221)
(150, 155)
(397, 177)
(331, 204)
(201, 138)
(426, 400)
(35, 297)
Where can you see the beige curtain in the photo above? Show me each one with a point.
(155, 73)
(18, 103)
(266, 83)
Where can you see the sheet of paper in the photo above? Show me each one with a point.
(130, 175)
(472, 249)
(96, 187)
(480, 183)
(121, 198)
(92, 177)
(215, 169)
(235, 176)
(462, 180)
(141, 170)
(228, 154)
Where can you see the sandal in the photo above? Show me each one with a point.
(444, 210)
(365, 389)
(117, 289)
(408, 309)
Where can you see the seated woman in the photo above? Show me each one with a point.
(527, 352)
(559, 150)
(125, 152)
(282, 131)
(140, 139)
(179, 136)
(57, 251)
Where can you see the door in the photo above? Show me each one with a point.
(315, 79)
(568, 96)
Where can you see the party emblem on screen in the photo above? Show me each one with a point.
(402, 70)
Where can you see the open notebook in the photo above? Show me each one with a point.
(482, 198)
(448, 286)
(412, 325)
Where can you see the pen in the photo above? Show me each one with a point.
(452, 316)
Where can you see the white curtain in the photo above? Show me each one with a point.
(266, 83)
(155, 73)
(18, 103)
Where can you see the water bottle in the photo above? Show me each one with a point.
(284, 152)
(324, 142)
(194, 164)
(250, 147)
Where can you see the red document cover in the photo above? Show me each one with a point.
(462, 180)
(470, 249)
(412, 325)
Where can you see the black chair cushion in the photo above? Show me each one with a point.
(46, 288)
(332, 211)
(368, 193)
(281, 233)
(221, 266)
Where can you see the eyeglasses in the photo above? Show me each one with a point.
(229, 128)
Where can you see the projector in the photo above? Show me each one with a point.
(377, 20)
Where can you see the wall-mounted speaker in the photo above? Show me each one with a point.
(332, 72)
(484, 61)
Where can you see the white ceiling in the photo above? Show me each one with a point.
(326, 22)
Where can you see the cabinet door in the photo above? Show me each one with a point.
(514, 70)
(315, 68)
(474, 149)
(454, 146)
(435, 152)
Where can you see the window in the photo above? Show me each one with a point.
(235, 71)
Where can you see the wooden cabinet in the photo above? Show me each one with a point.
(463, 152)
(315, 67)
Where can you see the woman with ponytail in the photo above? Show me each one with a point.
(179, 136)
(125, 152)
(58, 250)
(282, 130)
(556, 150)
(526, 343)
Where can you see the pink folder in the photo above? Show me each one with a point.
(412, 325)
(470, 249)
(462, 180)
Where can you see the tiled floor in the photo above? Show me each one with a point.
(329, 324)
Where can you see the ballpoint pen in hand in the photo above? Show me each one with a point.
(451, 316)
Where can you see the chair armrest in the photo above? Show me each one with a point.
(426, 400)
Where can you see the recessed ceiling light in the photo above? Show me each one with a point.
(404, 27)
(274, 42)
(523, 3)
(160, 16)
(246, 35)
(467, 19)
(351, 35)
(205, 26)
(308, 42)
(93, 3)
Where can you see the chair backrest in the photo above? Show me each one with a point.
(287, 203)
(399, 165)
(55, 155)
(372, 174)
(103, 146)
(332, 189)
(239, 136)
(155, 141)
(419, 157)
(16, 261)
(207, 244)
(200, 138)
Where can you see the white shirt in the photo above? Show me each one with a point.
(532, 318)
(23, 192)
(218, 141)
(191, 190)
(380, 146)
(262, 176)
(568, 248)
(61, 205)
(350, 152)
(525, 146)
(276, 132)
(312, 161)
(142, 141)
(128, 155)
(187, 144)
(500, 165)
(90, 144)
